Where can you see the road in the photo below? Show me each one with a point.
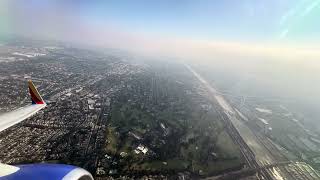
(257, 149)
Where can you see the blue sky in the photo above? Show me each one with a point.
(252, 20)
(146, 23)
(210, 19)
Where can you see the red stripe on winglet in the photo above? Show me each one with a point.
(34, 97)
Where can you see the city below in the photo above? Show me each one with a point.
(124, 116)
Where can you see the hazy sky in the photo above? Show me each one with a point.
(234, 36)
(161, 25)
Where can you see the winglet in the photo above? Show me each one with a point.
(35, 96)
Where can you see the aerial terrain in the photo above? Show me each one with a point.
(122, 115)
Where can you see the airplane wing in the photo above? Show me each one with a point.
(39, 170)
(11, 118)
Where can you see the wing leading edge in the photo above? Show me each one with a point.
(11, 118)
(42, 170)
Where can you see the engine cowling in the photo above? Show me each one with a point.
(45, 171)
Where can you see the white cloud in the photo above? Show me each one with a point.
(296, 14)
(309, 8)
(284, 33)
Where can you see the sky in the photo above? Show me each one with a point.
(276, 27)
(275, 43)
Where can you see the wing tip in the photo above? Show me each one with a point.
(35, 95)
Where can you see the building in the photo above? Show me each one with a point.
(264, 125)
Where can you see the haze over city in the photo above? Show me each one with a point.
(134, 74)
(268, 28)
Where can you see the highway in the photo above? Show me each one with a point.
(259, 152)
